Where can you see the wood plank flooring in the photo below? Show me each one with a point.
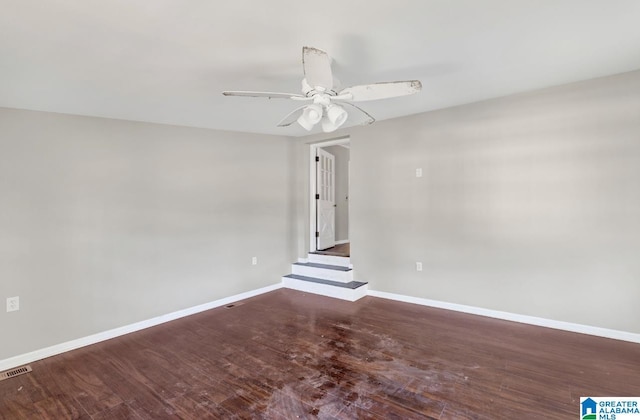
(288, 355)
(340, 250)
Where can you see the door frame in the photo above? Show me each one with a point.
(313, 147)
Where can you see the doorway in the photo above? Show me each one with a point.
(329, 197)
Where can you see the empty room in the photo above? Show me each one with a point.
(336, 210)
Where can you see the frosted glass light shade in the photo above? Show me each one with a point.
(334, 118)
(311, 116)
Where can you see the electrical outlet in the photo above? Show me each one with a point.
(13, 303)
(418, 266)
(418, 172)
(254, 261)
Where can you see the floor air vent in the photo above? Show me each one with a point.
(15, 372)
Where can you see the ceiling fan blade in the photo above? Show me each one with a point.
(270, 95)
(291, 117)
(369, 120)
(317, 67)
(382, 90)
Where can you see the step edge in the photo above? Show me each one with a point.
(332, 283)
(350, 295)
(342, 268)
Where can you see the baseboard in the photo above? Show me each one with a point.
(508, 316)
(343, 241)
(117, 332)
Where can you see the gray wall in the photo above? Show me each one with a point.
(529, 204)
(342, 190)
(104, 223)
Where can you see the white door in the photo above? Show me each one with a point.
(325, 200)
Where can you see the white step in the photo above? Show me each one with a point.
(323, 271)
(329, 259)
(347, 291)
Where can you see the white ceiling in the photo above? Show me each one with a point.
(167, 61)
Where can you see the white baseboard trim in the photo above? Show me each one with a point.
(508, 316)
(343, 241)
(30, 357)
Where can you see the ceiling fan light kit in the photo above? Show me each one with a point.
(318, 86)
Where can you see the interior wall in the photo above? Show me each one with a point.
(529, 204)
(341, 155)
(104, 223)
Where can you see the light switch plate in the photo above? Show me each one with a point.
(418, 172)
(13, 303)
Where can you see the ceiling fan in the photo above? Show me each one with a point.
(328, 105)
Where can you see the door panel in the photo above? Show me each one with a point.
(325, 200)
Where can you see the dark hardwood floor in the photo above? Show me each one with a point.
(340, 250)
(287, 354)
